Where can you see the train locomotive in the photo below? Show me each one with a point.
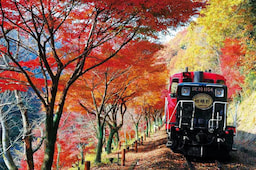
(196, 115)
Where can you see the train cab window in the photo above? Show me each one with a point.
(208, 80)
(187, 80)
(174, 85)
(221, 82)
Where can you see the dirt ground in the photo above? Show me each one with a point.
(153, 154)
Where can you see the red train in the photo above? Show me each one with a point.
(196, 115)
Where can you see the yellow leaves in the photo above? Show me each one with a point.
(246, 114)
(220, 19)
(193, 51)
(205, 37)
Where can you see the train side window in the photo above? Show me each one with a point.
(174, 86)
(221, 82)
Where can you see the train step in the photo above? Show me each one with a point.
(169, 143)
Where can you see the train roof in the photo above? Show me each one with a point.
(201, 84)
(206, 77)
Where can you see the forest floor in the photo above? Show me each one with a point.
(154, 154)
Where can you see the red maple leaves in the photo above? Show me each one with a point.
(232, 54)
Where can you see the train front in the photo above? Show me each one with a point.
(200, 128)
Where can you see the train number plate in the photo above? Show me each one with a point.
(203, 101)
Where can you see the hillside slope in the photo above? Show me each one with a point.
(246, 123)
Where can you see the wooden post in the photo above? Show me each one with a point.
(141, 140)
(87, 165)
(144, 136)
(136, 146)
(123, 157)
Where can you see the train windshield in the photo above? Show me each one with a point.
(221, 82)
(174, 86)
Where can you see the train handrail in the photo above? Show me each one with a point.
(182, 101)
(172, 112)
(218, 119)
(193, 113)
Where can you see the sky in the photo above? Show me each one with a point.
(165, 37)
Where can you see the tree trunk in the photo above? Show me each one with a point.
(110, 140)
(117, 137)
(50, 140)
(100, 143)
(8, 160)
(82, 155)
(160, 121)
(147, 128)
(26, 131)
(137, 130)
(149, 125)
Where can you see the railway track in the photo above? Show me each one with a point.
(212, 164)
(190, 164)
(218, 164)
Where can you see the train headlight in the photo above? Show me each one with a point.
(185, 91)
(219, 92)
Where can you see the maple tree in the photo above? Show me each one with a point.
(151, 82)
(105, 96)
(110, 86)
(146, 111)
(136, 119)
(115, 119)
(107, 100)
(230, 68)
(151, 86)
(157, 115)
(45, 40)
